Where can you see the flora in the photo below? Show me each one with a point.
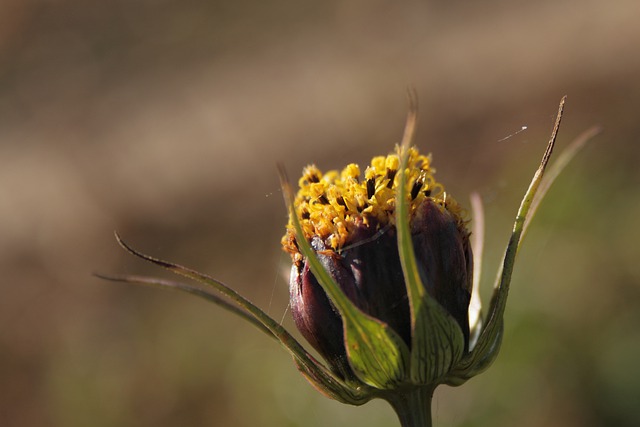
(383, 283)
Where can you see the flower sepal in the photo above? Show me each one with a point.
(376, 353)
(328, 383)
(431, 324)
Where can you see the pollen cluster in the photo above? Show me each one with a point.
(333, 204)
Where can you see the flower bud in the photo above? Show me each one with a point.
(381, 279)
(350, 224)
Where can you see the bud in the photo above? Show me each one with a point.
(381, 284)
(350, 223)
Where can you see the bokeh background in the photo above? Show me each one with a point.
(164, 120)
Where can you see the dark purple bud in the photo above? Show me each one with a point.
(357, 245)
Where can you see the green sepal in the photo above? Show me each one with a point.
(317, 374)
(437, 342)
(488, 343)
(376, 353)
(487, 347)
(477, 248)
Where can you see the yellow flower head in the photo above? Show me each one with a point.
(332, 205)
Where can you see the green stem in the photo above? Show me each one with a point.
(413, 407)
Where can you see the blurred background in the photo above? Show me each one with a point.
(164, 120)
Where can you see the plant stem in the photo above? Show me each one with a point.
(413, 407)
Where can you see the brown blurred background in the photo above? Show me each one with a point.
(165, 120)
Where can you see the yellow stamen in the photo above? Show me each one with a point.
(333, 204)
